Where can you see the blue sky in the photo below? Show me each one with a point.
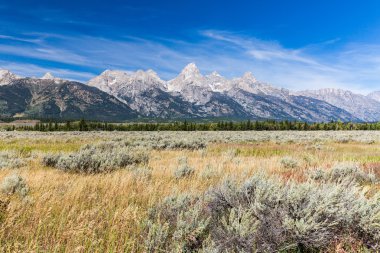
(292, 44)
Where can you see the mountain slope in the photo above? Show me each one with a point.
(50, 98)
(374, 95)
(362, 107)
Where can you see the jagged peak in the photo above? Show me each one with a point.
(151, 72)
(191, 66)
(249, 76)
(109, 72)
(190, 70)
(48, 76)
(5, 71)
(7, 76)
(147, 76)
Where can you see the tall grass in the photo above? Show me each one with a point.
(146, 208)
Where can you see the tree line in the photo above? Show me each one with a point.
(268, 125)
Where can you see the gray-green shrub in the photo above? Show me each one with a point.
(14, 184)
(50, 160)
(344, 172)
(103, 157)
(266, 215)
(142, 173)
(11, 160)
(289, 162)
(183, 170)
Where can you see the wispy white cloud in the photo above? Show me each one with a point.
(31, 70)
(331, 63)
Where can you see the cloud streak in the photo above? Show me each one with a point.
(352, 66)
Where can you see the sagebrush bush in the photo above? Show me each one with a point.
(186, 228)
(289, 162)
(50, 160)
(344, 172)
(352, 172)
(183, 170)
(266, 215)
(11, 160)
(156, 236)
(103, 157)
(142, 173)
(14, 184)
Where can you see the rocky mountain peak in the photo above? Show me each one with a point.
(217, 82)
(190, 76)
(146, 76)
(248, 76)
(190, 71)
(145, 80)
(48, 76)
(118, 82)
(6, 77)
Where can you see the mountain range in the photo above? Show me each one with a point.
(119, 95)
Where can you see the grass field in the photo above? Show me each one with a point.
(168, 198)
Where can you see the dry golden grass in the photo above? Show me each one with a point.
(104, 213)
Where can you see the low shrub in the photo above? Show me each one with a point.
(103, 157)
(177, 221)
(289, 162)
(352, 172)
(14, 184)
(10, 160)
(50, 160)
(266, 215)
(183, 170)
(344, 172)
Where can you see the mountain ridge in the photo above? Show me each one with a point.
(213, 95)
(189, 95)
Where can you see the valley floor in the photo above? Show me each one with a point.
(61, 208)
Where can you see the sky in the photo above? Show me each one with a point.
(292, 44)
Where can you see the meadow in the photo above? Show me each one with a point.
(251, 191)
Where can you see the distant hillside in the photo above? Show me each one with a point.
(60, 99)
